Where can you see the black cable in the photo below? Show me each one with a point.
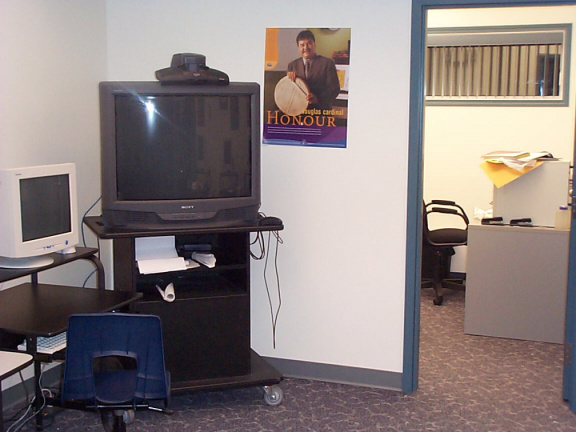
(84, 217)
(23, 420)
(84, 238)
(260, 240)
(273, 314)
(88, 278)
(18, 414)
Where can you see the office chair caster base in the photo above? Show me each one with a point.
(112, 422)
(273, 395)
(116, 421)
(128, 416)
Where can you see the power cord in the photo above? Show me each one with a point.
(264, 255)
(84, 217)
(22, 411)
(84, 239)
(25, 418)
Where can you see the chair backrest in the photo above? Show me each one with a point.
(452, 233)
(95, 336)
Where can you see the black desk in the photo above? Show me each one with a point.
(43, 310)
(36, 309)
(81, 253)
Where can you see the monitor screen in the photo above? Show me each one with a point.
(44, 206)
(188, 147)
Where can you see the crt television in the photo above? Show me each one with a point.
(179, 155)
(38, 214)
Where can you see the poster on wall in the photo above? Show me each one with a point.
(306, 86)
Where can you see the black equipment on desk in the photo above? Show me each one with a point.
(492, 221)
(521, 222)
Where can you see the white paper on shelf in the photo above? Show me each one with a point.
(207, 259)
(158, 255)
(161, 265)
(155, 247)
(191, 264)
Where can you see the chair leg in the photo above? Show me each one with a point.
(106, 416)
(113, 421)
(438, 291)
(119, 423)
(438, 276)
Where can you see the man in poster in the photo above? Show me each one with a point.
(318, 72)
(306, 86)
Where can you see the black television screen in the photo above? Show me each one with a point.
(179, 154)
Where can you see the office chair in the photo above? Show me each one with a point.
(115, 364)
(438, 244)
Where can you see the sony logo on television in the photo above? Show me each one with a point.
(187, 207)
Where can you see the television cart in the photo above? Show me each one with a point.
(206, 329)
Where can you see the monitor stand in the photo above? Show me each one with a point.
(24, 263)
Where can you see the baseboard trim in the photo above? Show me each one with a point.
(16, 395)
(338, 374)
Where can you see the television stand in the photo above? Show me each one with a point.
(206, 329)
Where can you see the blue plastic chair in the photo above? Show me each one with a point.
(115, 364)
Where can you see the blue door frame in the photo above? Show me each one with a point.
(414, 204)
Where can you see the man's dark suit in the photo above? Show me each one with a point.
(322, 79)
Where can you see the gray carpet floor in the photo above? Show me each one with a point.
(467, 383)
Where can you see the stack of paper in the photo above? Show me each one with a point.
(505, 166)
(515, 159)
(158, 255)
(207, 259)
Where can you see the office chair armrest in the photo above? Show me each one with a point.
(443, 202)
(444, 210)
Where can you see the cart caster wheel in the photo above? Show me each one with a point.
(273, 395)
(129, 416)
(438, 301)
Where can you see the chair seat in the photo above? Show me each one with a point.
(447, 237)
(115, 387)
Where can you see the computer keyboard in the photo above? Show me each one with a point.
(48, 345)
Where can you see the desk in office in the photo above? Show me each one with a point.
(516, 281)
(35, 309)
(43, 310)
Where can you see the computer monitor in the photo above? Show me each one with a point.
(38, 214)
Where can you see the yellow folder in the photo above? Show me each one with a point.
(500, 174)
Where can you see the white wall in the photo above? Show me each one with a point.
(342, 261)
(52, 57)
